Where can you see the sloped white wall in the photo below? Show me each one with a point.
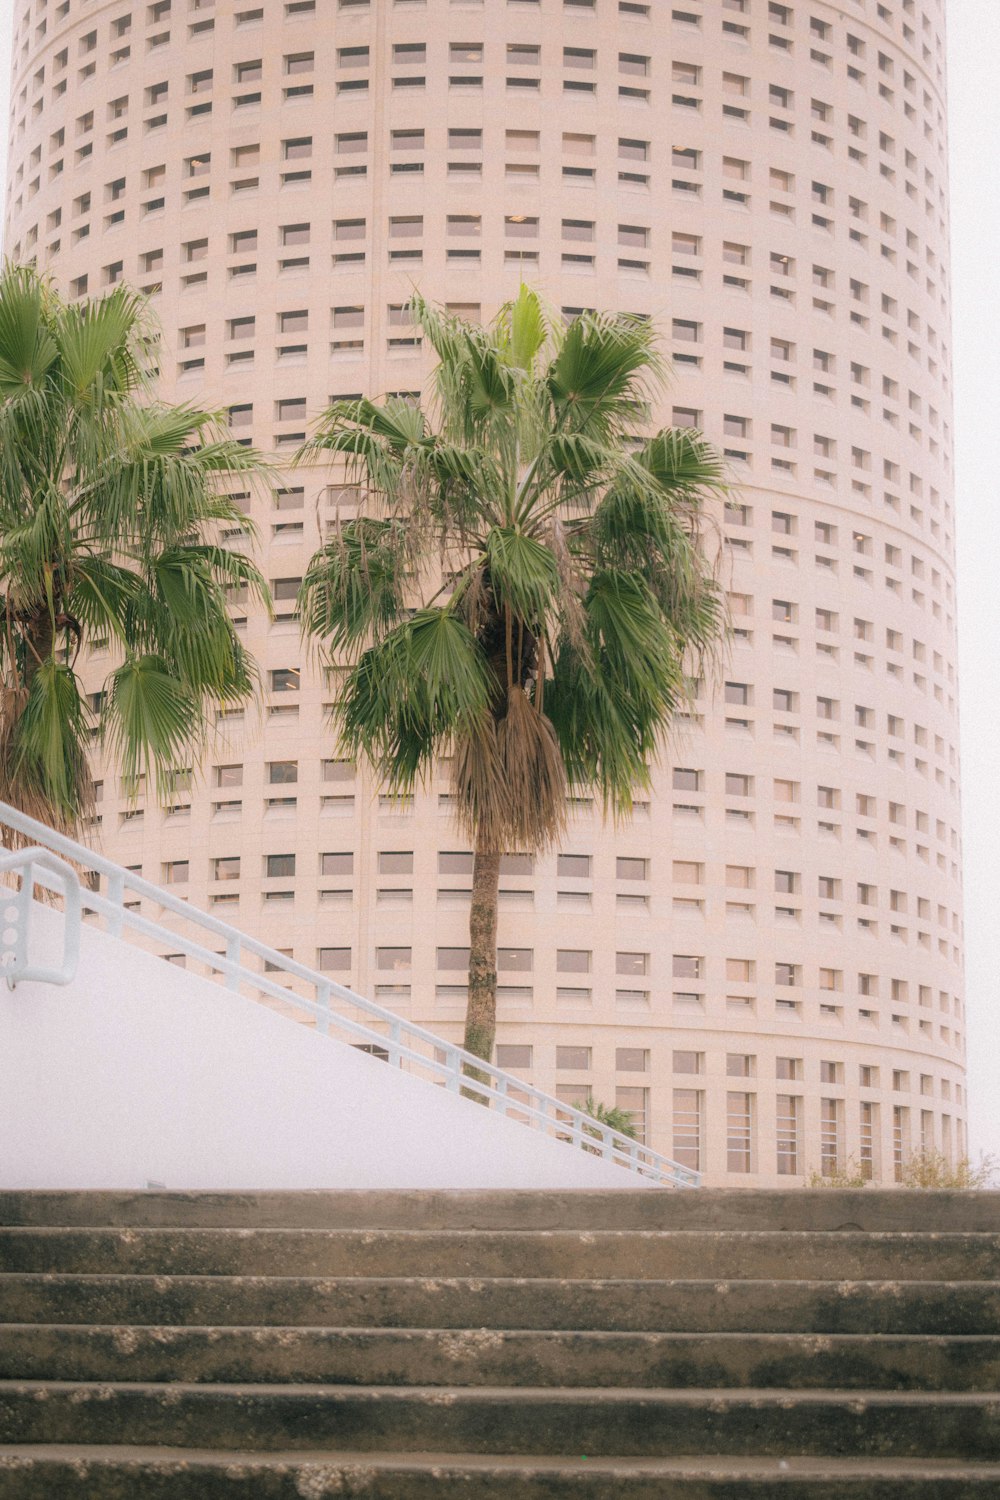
(140, 1072)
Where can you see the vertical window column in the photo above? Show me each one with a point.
(868, 1155)
(789, 1134)
(635, 1103)
(740, 1132)
(688, 1119)
(831, 1136)
(900, 1139)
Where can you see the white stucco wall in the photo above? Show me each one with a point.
(140, 1072)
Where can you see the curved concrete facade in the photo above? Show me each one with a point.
(766, 964)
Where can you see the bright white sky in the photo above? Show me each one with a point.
(974, 27)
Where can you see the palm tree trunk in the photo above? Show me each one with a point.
(39, 638)
(481, 1015)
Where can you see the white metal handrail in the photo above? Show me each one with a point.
(372, 1026)
(37, 867)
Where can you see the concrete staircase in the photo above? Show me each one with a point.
(704, 1345)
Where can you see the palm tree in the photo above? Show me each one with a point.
(525, 587)
(110, 505)
(616, 1119)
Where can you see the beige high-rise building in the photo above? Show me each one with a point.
(765, 966)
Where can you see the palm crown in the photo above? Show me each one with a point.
(109, 505)
(526, 585)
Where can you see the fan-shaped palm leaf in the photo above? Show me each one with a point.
(353, 587)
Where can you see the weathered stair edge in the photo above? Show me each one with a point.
(753, 1255)
(164, 1474)
(707, 1208)
(486, 1356)
(521, 1421)
(820, 1307)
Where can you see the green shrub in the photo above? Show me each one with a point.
(849, 1174)
(932, 1169)
(924, 1169)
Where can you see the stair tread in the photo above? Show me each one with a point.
(423, 1234)
(476, 1356)
(148, 1278)
(712, 1207)
(640, 1255)
(723, 1465)
(523, 1394)
(276, 1331)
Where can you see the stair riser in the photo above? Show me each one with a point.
(44, 1480)
(499, 1422)
(755, 1256)
(693, 1307)
(492, 1358)
(798, 1208)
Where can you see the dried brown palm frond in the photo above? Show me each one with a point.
(572, 587)
(509, 780)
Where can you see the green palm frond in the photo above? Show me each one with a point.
(43, 741)
(449, 663)
(525, 327)
(183, 613)
(632, 643)
(395, 422)
(523, 574)
(151, 720)
(27, 347)
(683, 463)
(98, 352)
(231, 570)
(29, 546)
(102, 594)
(423, 683)
(110, 509)
(242, 677)
(607, 365)
(353, 587)
(577, 463)
(490, 382)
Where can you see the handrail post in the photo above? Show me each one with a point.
(233, 948)
(116, 895)
(323, 1000)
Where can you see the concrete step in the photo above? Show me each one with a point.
(707, 1208)
(475, 1357)
(490, 1419)
(819, 1307)
(81, 1473)
(637, 1254)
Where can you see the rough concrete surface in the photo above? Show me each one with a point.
(686, 1346)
